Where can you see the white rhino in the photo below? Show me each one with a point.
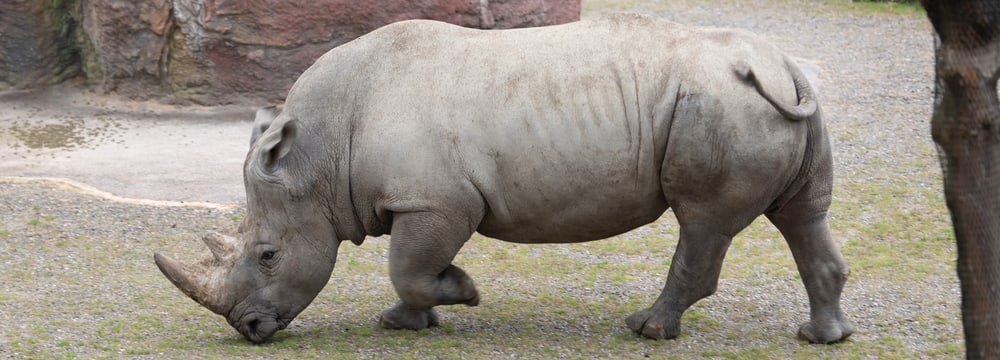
(570, 133)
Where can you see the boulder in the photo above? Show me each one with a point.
(222, 51)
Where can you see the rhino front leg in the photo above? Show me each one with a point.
(421, 249)
(694, 274)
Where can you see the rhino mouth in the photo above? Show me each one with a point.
(259, 327)
(256, 321)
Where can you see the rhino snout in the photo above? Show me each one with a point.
(258, 328)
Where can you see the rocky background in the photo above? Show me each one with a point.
(215, 51)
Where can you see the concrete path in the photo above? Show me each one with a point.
(125, 150)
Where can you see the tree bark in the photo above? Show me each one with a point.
(966, 127)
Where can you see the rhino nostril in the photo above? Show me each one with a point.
(253, 323)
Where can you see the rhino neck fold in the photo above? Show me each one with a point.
(332, 186)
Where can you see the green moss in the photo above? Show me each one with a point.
(63, 25)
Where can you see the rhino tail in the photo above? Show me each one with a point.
(806, 105)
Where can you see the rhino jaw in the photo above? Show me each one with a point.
(197, 282)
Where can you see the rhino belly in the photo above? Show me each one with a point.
(577, 209)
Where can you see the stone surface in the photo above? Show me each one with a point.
(126, 43)
(35, 42)
(218, 51)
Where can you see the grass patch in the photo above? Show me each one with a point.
(545, 301)
(905, 7)
(538, 301)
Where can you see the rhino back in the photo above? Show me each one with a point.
(555, 134)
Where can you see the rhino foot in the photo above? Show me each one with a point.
(655, 324)
(400, 316)
(826, 332)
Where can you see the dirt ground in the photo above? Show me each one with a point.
(128, 149)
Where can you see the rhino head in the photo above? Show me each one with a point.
(284, 250)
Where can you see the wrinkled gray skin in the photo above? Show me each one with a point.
(561, 134)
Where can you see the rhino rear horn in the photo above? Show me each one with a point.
(195, 282)
(223, 247)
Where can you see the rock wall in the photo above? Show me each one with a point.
(215, 51)
(36, 44)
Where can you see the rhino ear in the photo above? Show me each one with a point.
(261, 121)
(276, 142)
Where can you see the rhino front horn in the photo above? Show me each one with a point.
(196, 283)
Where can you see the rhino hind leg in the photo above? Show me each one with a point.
(694, 274)
(421, 249)
(803, 223)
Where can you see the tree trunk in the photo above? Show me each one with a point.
(966, 127)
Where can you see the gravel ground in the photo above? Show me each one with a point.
(876, 91)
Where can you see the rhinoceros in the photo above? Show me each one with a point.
(430, 132)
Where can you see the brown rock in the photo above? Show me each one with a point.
(226, 51)
(258, 49)
(128, 43)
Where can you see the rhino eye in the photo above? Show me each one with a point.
(267, 255)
